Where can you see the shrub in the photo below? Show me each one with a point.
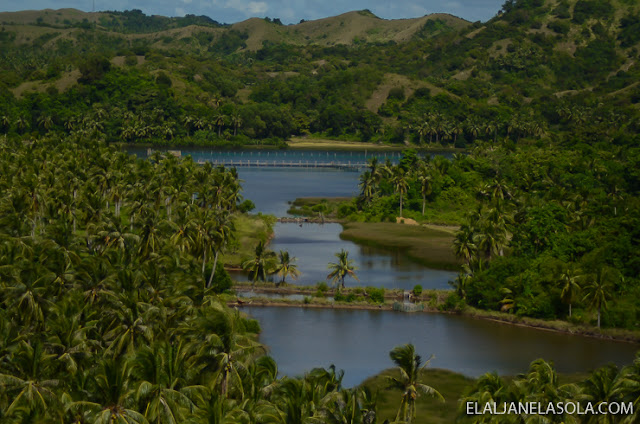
(322, 286)
(376, 295)
(221, 280)
(396, 93)
(250, 325)
(453, 302)
(417, 290)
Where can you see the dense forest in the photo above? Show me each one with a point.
(111, 308)
(111, 268)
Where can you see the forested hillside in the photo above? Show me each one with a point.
(538, 68)
(111, 267)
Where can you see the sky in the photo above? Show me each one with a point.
(288, 11)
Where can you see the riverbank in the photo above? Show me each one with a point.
(309, 143)
(430, 301)
(429, 245)
(295, 143)
(312, 143)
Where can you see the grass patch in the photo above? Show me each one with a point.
(427, 245)
(428, 410)
(313, 206)
(250, 229)
(320, 143)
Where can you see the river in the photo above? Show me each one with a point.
(359, 341)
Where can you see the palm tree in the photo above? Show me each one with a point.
(163, 372)
(224, 350)
(286, 266)
(30, 384)
(261, 264)
(409, 365)
(219, 120)
(236, 121)
(22, 124)
(425, 178)
(342, 268)
(602, 388)
(599, 289)
(367, 187)
(113, 395)
(399, 179)
(570, 287)
(464, 243)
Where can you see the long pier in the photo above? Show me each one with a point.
(355, 166)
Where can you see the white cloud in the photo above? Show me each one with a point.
(180, 11)
(257, 7)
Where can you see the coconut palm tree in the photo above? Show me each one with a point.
(598, 289)
(261, 264)
(425, 178)
(367, 187)
(569, 280)
(464, 245)
(30, 386)
(400, 181)
(409, 366)
(286, 266)
(342, 268)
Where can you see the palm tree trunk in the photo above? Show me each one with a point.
(213, 270)
(204, 260)
(598, 317)
(569, 310)
(400, 205)
(424, 202)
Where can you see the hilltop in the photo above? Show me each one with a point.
(349, 28)
(537, 67)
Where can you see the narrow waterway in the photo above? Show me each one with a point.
(315, 245)
(359, 342)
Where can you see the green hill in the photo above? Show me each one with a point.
(537, 66)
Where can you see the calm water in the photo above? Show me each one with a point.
(359, 342)
(271, 189)
(311, 156)
(315, 245)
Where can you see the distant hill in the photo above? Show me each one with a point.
(538, 67)
(349, 29)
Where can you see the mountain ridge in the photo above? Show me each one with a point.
(348, 28)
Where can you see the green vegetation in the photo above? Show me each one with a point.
(427, 245)
(534, 70)
(341, 269)
(111, 268)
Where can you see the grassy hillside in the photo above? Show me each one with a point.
(539, 67)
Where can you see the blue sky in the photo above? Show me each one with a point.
(289, 11)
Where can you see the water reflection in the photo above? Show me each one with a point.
(359, 342)
(314, 247)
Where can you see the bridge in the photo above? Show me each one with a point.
(230, 163)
